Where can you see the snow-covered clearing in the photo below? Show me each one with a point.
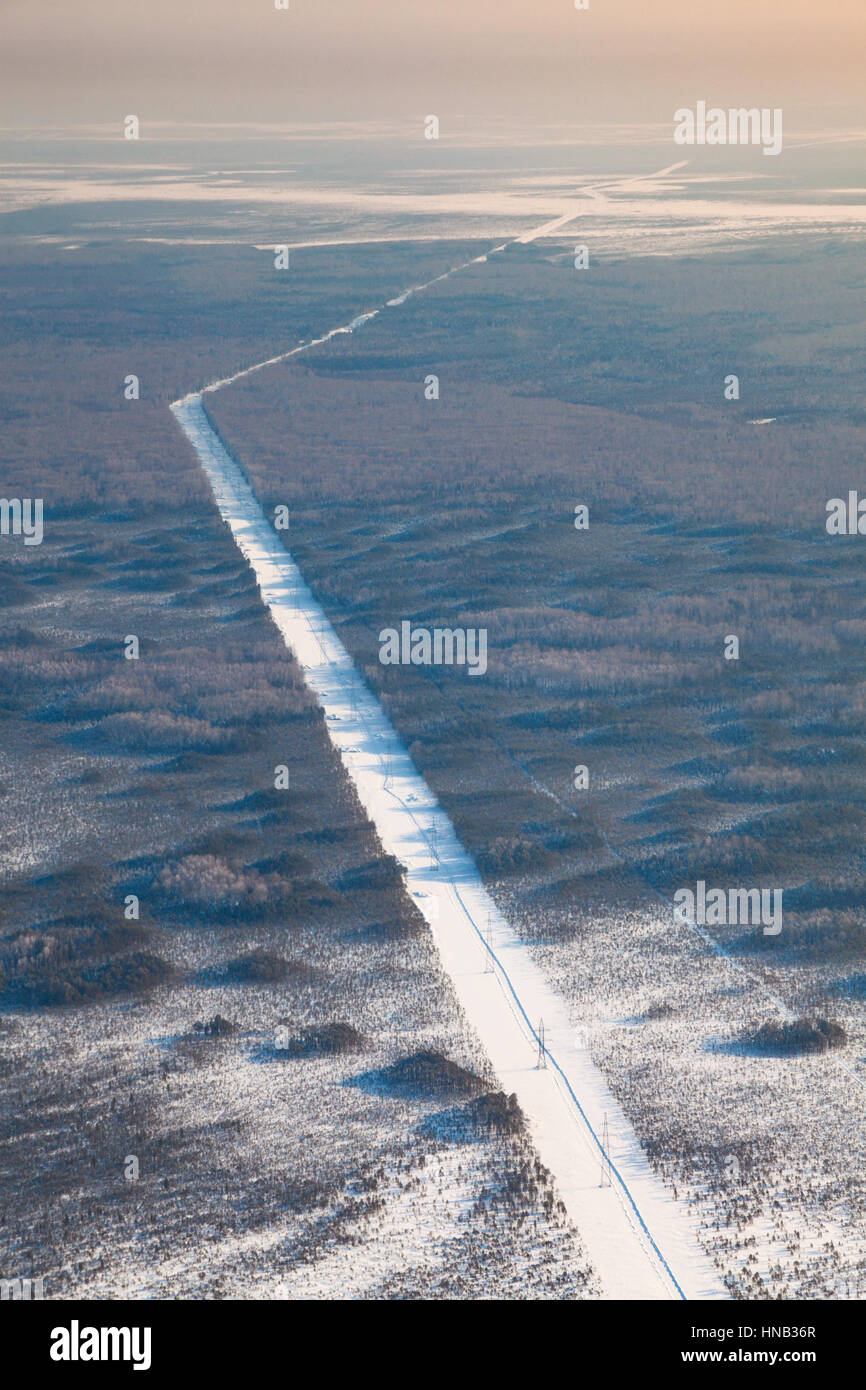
(639, 1241)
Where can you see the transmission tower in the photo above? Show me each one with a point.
(542, 1050)
(488, 943)
(433, 842)
(606, 1180)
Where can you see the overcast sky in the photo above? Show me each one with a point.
(520, 62)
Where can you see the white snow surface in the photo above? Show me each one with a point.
(642, 1244)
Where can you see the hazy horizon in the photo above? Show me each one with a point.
(515, 64)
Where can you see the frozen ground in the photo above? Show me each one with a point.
(259, 1171)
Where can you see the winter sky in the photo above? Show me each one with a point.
(511, 63)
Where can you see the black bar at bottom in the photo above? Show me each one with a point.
(266, 1340)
